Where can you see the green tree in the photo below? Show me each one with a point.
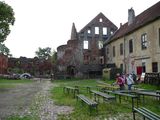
(6, 19)
(4, 50)
(53, 56)
(43, 53)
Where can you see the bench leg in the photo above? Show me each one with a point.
(143, 117)
(95, 97)
(96, 109)
(134, 115)
(120, 98)
(132, 103)
(90, 110)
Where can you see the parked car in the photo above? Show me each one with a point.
(25, 76)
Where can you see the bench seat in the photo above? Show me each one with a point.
(89, 102)
(146, 113)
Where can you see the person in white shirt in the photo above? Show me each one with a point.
(130, 81)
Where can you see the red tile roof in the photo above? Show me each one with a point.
(146, 17)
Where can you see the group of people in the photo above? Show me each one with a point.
(123, 79)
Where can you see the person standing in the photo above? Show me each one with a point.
(130, 81)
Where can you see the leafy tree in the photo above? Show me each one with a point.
(6, 19)
(53, 56)
(43, 53)
(4, 50)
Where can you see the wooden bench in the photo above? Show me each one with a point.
(105, 96)
(68, 89)
(158, 93)
(147, 93)
(120, 94)
(107, 87)
(89, 102)
(145, 113)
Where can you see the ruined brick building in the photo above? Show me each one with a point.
(34, 66)
(83, 55)
(3, 64)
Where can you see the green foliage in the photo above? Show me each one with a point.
(16, 70)
(43, 53)
(53, 56)
(148, 86)
(6, 19)
(4, 50)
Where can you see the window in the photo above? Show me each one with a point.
(100, 44)
(131, 46)
(85, 44)
(86, 59)
(89, 31)
(101, 60)
(121, 67)
(154, 67)
(159, 36)
(104, 30)
(96, 30)
(114, 52)
(143, 67)
(100, 20)
(144, 41)
(121, 49)
(107, 50)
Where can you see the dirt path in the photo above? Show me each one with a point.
(31, 98)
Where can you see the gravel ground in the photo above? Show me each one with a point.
(30, 99)
(34, 99)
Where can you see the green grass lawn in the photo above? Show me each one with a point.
(105, 109)
(12, 83)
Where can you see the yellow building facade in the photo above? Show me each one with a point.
(135, 47)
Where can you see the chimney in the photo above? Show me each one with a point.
(131, 16)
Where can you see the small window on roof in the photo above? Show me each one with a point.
(100, 20)
(89, 31)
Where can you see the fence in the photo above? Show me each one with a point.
(152, 78)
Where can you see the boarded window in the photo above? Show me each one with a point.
(131, 46)
(121, 67)
(154, 67)
(121, 49)
(85, 44)
(114, 51)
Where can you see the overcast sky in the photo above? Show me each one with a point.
(47, 23)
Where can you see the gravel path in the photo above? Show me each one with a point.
(30, 99)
